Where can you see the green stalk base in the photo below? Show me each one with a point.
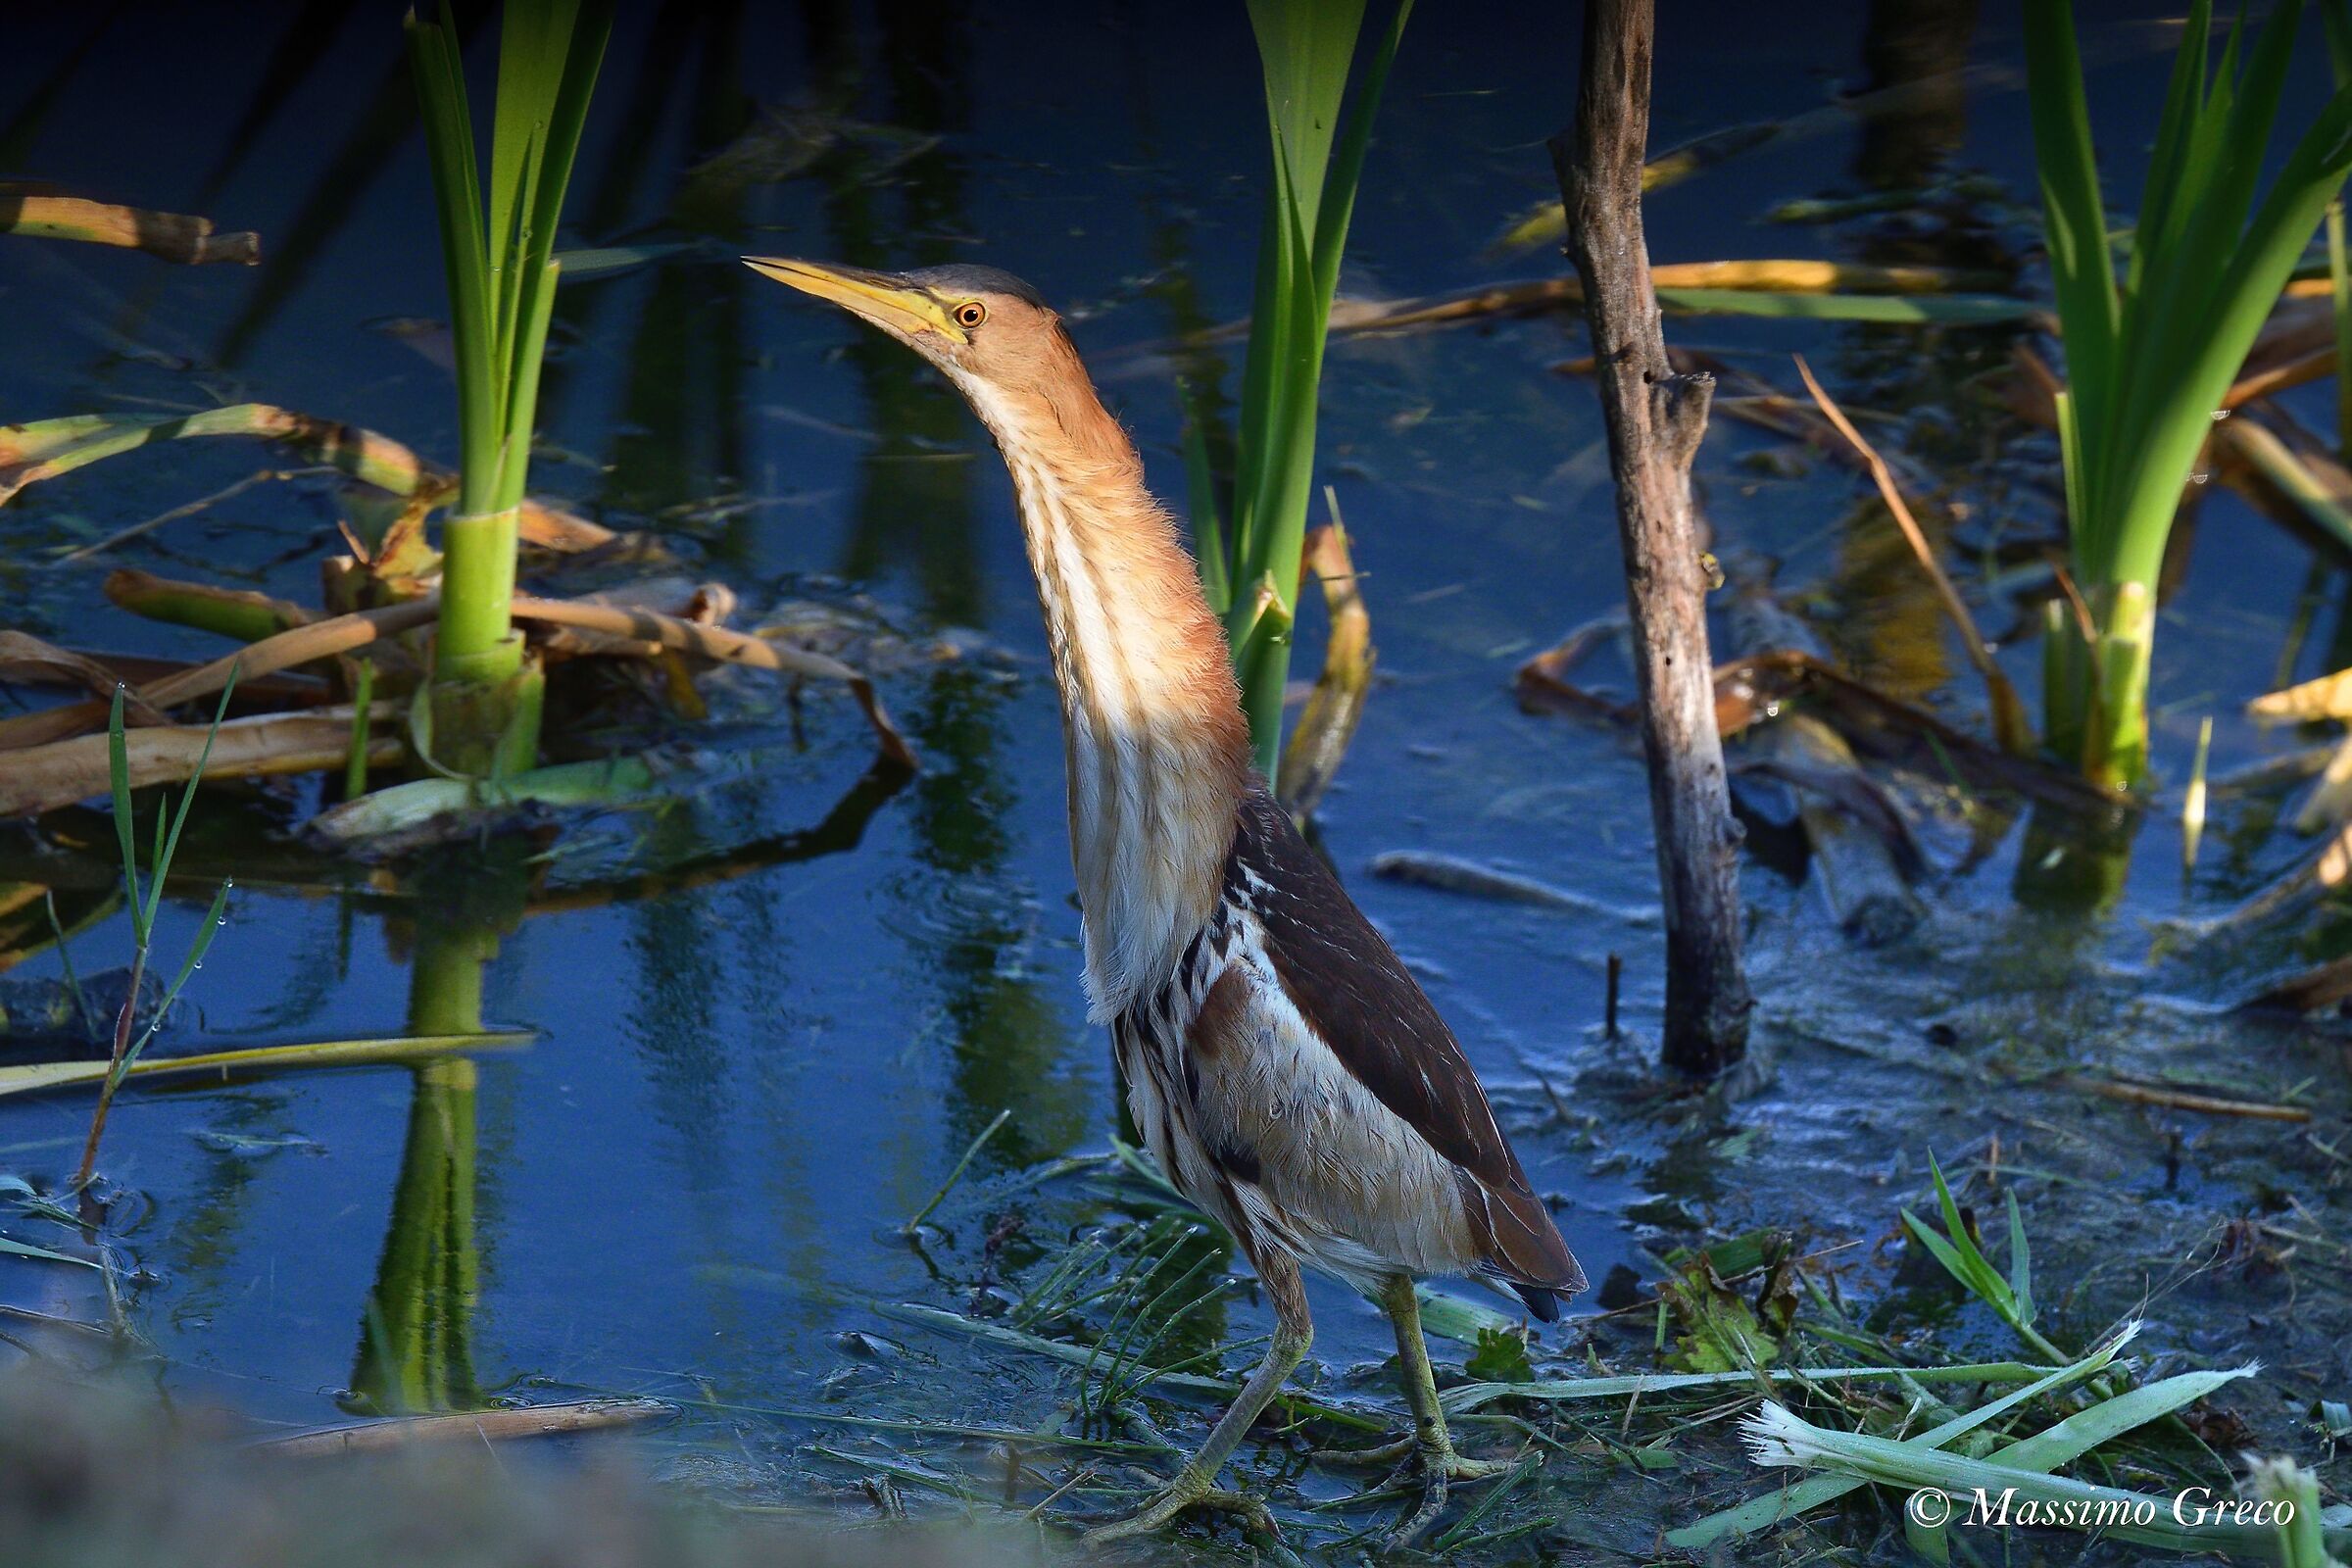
(2095, 693)
(484, 721)
(478, 587)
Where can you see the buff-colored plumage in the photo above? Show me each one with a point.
(1283, 1067)
(1158, 749)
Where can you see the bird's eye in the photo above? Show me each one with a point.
(970, 314)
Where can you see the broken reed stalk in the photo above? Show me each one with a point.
(2009, 726)
(727, 647)
(300, 645)
(464, 1426)
(51, 767)
(1655, 418)
(43, 779)
(175, 236)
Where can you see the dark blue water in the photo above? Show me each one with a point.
(690, 1183)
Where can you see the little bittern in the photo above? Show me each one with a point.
(1288, 1074)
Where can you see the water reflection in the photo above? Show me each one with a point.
(914, 496)
(681, 434)
(1921, 45)
(384, 123)
(1008, 1041)
(1175, 281)
(913, 508)
(417, 1333)
(416, 1349)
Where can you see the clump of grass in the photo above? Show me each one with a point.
(1858, 1405)
(501, 292)
(1150, 1300)
(2010, 1294)
(1954, 1464)
(1307, 48)
(131, 1042)
(2150, 356)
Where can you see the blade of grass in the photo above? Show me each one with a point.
(1078, 1355)
(118, 752)
(1777, 1437)
(42, 1254)
(2340, 293)
(213, 919)
(970, 1152)
(2021, 1260)
(169, 846)
(38, 1077)
(2193, 798)
(1760, 1513)
(1307, 48)
(363, 699)
(1465, 1398)
(1209, 533)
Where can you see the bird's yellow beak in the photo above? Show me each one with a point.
(894, 304)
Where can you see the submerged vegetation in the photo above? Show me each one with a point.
(805, 1170)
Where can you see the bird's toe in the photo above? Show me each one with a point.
(1372, 1458)
(1162, 1510)
(1427, 1475)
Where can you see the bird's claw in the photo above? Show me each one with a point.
(1434, 1468)
(1410, 1458)
(1372, 1458)
(1251, 1510)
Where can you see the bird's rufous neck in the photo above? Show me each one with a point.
(1157, 750)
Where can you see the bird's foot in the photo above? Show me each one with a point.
(1437, 1473)
(1411, 1459)
(1180, 1495)
(1430, 1468)
(1372, 1458)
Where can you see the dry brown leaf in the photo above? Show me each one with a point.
(26, 661)
(2329, 697)
(42, 779)
(718, 643)
(1328, 722)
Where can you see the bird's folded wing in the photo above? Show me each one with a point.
(1350, 990)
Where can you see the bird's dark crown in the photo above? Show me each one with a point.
(961, 279)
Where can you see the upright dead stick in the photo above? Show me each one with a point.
(1655, 418)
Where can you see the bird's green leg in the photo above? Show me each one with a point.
(1432, 1455)
(1194, 1485)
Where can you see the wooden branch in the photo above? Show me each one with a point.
(1655, 418)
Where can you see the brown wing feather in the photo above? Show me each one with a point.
(1354, 991)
